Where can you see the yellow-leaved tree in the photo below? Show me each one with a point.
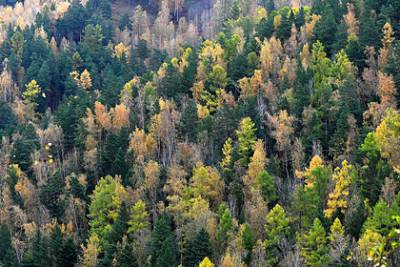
(206, 263)
(338, 198)
(388, 138)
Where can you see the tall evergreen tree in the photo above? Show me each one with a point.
(68, 256)
(197, 249)
(313, 245)
(326, 27)
(7, 256)
(51, 195)
(163, 247)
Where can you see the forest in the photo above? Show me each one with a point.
(199, 133)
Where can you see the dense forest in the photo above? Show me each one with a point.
(205, 133)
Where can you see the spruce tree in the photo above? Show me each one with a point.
(301, 90)
(5, 242)
(124, 256)
(197, 249)
(326, 27)
(163, 247)
(267, 186)
(37, 255)
(68, 253)
(51, 195)
(55, 243)
(120, 226)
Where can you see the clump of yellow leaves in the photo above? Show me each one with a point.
(315, 163)
(388, 138)
(338, 198)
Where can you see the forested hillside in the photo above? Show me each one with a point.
(205, 133)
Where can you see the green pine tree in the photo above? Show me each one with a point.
(246, 139)
(277, 229)
(125, 256)
(313, 245)
(51, 195)
(197, 249)
(163, 247)
(68, 256)
(267, 187)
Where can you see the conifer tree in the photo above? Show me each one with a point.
(246, 139)
(106, 201)
(338, 243)
(55, 243)
(197, 249)
(225, 225)
(51, 195)
(7, 257)
(277, 229)
(266, 184)
(339, 198)
(139, 217)
(68, 253)
(124, 255)
(313, 245)
(163, 247)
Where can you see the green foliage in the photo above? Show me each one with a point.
(163, 247)
(225, 225)
(124, 256)
(381, 219)
(326, 27)
(8, 120)
(375, 170)
(308, 202)
(68, 256)
(313, 245)
(248, 242)
(322, 64)
(266, 184)
(246, 139)
(51, 195)
(197, 249)
(277, 229)
(301, 92)
(139, 217)
(105, 203)
(322, 72)
(7, 257)
(24, 147)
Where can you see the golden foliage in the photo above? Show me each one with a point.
(308, 28)
(120, 117)
(151, 173)
(315, 163)
(227, 152)
(141, 144)
(283, 130)
(85, 80)
(207, 183)
(121, 50)
(388, 138)
(206, 263)
(102, 116)
(91, 252)
(257, 163)
(351, 22)
(338, 199)
(387, 90)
